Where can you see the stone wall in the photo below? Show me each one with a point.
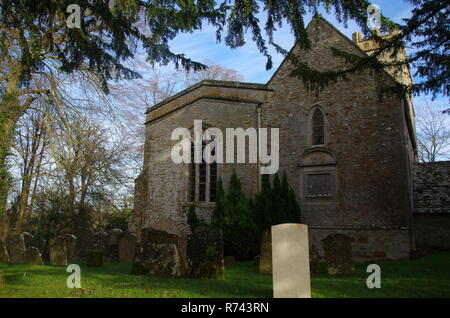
(364, 149)
(432, 205)
(432, 187)
(367, 244)
(166, 183)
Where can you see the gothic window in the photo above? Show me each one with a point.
(202, 179)
(318, 128)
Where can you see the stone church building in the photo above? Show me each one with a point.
(348, 154)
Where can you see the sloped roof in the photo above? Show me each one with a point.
(216, 83)
(432, 187)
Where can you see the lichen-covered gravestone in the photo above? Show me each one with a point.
(4, 256)
(58, 251)
(112, 245)
(205, 253)
(34, 256)
(28, 239)
(71, 244)
(338, 254)
(127, 246)
(2, 280)
(228, 260)
(159, 254)
(16, 249)
(265, 257)
(95, 259)
(314, 259)
(100, 240)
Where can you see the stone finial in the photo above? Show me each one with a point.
(357, 37)
(376, 32)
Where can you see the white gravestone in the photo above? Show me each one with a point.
(290, 261)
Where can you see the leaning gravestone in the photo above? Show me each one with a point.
(159, 254)
(314, 259)
(4, 256)
(265, 257)
(127, 246)
(16, 249)
(34, 256)
(112, 245)
(71, 244)
(290, 257)
(338, 254)
(205, 253)
(28, 239)
(58, 251)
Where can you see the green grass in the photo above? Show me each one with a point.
(425, 277)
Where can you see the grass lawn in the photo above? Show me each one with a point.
(425, 277)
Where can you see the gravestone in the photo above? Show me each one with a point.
(159, 254)
(112, 245)
(228, 260)
(290, 257)
(2, 280)
(28, 239)
(34, 256)
(71, 244)
(85, 239)
(127, 246)
(95, 259)
(58, 251)
(4, 256)
(100, 240)
(314, 259)
(265, 257)
(16, 249)
(338, 254)
(205, 253)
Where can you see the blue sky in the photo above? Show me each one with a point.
(251, 63)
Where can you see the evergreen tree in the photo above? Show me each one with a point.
(275, 204)
(219, 210)
(292, 209)
(233, 215)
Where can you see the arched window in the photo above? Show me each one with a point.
(202, 178)
(318, 128)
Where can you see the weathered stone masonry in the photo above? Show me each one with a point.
(365, 159)
(432, 205)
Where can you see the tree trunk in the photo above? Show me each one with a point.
(8, 119)
(29, 170)
(36, 179)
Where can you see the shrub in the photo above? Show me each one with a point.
(193, 220)
(118, 219)
(233, 215)
(275, 204)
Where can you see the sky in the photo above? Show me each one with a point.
(248, 61)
